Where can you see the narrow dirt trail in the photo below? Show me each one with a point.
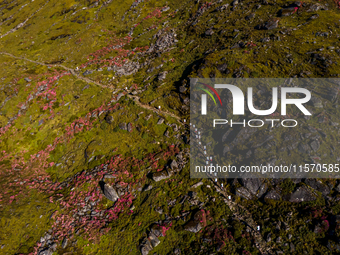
(239, 212)
(242, 214)
(80, 77)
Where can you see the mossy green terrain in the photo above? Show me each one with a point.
(94, 91)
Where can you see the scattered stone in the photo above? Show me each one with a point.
(159, 210)
(209, 32)
(46, 251)
(173, 165)
(317, 229)
(162, 75)
(128, 68)
(146, 246)
(303, 148)
(186, 100)
(122, 126)
(27, 79)
(129, 127)
(182, 89)
(315, 145)
(250, 16)
(158, 176)
(269, 237)
(194, 225)
(109, 119)
(154, 240)
(156, 230)
(273, 195)
(333, 246)
(287, 11)
(221, 8)
(109, 176)
(109, 192)
(316, 102)
(243, 192)
(223, 68)
(234, 3)
(255, 186)
(119, 96)
(315, 16)
(162, 42)
(165, 9)
(87, 72)
(316, 7)
(302, 194)
(269, 25)
(86, 87)
(64, 243)
(199, 184)
(177, 251)
(167, 133)
(318, 185)
(148, 187)
(265, 39)
(160, 121)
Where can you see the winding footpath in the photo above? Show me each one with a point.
(80, 77)
(243, 215)
(240, 213)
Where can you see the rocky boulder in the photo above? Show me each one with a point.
(108, 191)
(302, 194)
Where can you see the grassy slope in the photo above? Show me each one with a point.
(38, 40)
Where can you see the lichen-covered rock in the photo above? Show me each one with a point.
(109, 119)
(255, 186)
(109, 192)
(287, 11)
(269, 25)
(302, 194)
(129, 127)
(193, 226)
(243, 192)
(146, 246)
(160, 121)
(122, 126)
(318, 186)
(173, 165)
(162, 75)
(158, 176)
(273, 194)
(163, 41)
(209, 32)
(87, 72)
